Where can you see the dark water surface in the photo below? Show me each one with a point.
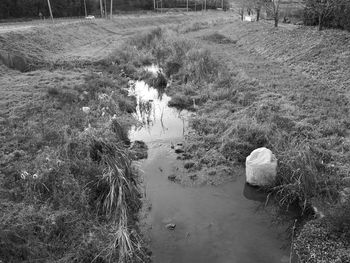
(213, 224)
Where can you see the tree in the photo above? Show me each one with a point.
(322, 9)
(274, 7)
(257, 7)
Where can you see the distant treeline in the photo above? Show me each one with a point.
(71, 8)
(65, 8)
(211, 4)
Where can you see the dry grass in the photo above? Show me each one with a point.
(60, 194)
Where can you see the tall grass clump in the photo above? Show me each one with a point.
(119, 199)
(242, 137)
(180, 58)
(146, 40)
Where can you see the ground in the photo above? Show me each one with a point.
(277, 83)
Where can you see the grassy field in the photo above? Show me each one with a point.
(251, 85)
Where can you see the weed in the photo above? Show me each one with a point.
(181, 102)
(145, 40)
(127, 104)
(201, 66)
(194, 27)
(159, 82)
(219, 39)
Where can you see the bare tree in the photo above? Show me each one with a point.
(274, 7)
(322, 9)
(242, 4)
(101, 8)
(257, 7)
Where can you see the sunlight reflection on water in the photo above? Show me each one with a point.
(157, 121)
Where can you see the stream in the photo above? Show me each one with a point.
(214, 224)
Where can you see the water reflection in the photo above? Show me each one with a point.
(156, 120)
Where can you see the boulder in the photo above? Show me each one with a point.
(261, 167)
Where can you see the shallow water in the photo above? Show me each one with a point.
(157, 120)
(213, 224)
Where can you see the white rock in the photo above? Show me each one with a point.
(261, 167)
(24, 174)
(318, 214)
(86, 110)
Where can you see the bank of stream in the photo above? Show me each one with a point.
(210, 223)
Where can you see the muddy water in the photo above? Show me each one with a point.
(213, 224)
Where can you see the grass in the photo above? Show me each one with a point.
(219, 39)
(68, 191)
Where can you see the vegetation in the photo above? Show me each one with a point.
(68, 191)
(32, 8)
(235, 115)
(67, 188)
(329, 238)
(196, 4)
(327, 13)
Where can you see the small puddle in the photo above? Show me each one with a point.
(213, 224)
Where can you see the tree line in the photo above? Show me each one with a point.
(323, 13)
(65, 8)
(70, 8)
(199, 4)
